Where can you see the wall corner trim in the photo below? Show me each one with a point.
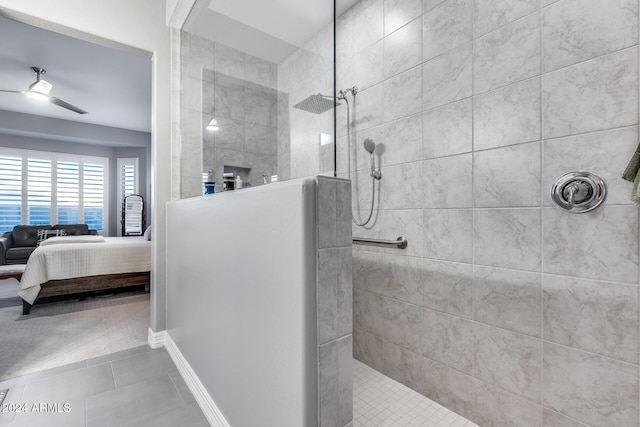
(206, 403)
(156, 339)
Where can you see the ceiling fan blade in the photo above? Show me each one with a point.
(61, 103)
(11, 91)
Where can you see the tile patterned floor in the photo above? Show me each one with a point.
(379, 401)
(141, 387)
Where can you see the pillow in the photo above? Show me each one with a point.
(147, 233)
(45, 234)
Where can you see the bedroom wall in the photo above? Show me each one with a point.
(140, 25)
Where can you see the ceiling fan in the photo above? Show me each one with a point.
(40, 90)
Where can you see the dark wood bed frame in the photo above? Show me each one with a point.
(82, 285)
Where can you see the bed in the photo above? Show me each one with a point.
(79, 264)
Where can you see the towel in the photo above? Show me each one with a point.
(632, 174)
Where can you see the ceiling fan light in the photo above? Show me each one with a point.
(38, 96)
(213, 125)
(41, 86)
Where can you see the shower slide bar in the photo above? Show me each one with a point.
(400, 242)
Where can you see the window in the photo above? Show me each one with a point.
(52, 188)
(127, 181)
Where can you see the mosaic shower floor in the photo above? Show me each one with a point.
(379, 401)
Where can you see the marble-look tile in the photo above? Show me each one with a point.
(403, 365)
(228, 99)
(447, 78)
(367, 68)
(367, 109)
(448, 339)
(397, 13)
(404, 223)
(506, 116)
(231, 135)
(507, 176)
(594, 95)
(447, 130)
(369, 314)
(508, 238)
(326, 194)
(344, 287)
(403, 49)
(576, 30)
(507, 55)
(260, 139)
(448, 234)
(430, 4)
(360, 158)
(261, 72)
(402, 141)
(403, 324)
(229, 61)
(327, 296)
(260, 105)
(368, 24)
(448, 287)
(344, 352)
(343, 214)
(328, 385)
(496, 407)
(400, 186)
(553, 419)
(402, 95)
(601, 244)
(450, 388)
(403, 278)
(508, 360)
(593, 389)
(368, 349)
(508, 299)
(447, 182)
(584, 152)
(492, 14)
(594, 316)
(446, 27)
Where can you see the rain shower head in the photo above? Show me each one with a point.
(317, 104)
(369, 145)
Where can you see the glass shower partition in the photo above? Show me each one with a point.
(257, 93)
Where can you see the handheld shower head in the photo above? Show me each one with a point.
(369, 145)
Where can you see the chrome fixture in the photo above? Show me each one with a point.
(578, 191)
(317, 103)
(342, 94)
(370, 146)
(400, 242)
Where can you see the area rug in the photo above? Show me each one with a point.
(62, 332)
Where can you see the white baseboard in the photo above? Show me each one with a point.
(156, 339)
(206, 403)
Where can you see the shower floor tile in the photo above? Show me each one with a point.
(379, 401)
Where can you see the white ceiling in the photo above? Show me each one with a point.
(113, 86)
(268, 29)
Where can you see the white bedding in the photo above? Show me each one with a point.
(65, 261)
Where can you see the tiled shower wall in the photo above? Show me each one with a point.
(503, 308)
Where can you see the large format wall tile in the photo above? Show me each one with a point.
(401, 141)
(368, 349)
(447, 26)
(368, 312)
(601, 244)
(507, 55)
(448, 387)
(506, 116)
(496, 407)
(508, 299)
(448, 287)
(400, 186)
(491, 14)
(403, 49)
(594, 316)
(404, 223)
(593, 389)
(367, 109)
(594, 95)
(368, 24)
(447, 130)
(584, 152)
(508, 238)
(447, 182)
(399, 12)
(507, 177)
(448, 234)
(403, 324)
(447, 78)
(447, 339)
(577, 30)
(366, 70)
(403, 366)
(551, 418)
(508, 360)
(402, 95)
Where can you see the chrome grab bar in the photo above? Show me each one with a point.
(400, 242)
